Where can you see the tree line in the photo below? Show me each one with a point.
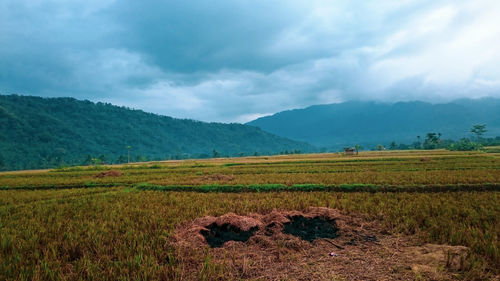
(434, 140)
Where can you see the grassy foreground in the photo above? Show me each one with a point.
(111, 228)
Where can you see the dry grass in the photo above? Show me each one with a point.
(401, 168)
(104, 233)
(109, 233)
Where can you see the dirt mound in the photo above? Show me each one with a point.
(425, 159)
(429, 257)
(232, 227)
(217, 235)
(318, 244)
(219, 178)
(228, 228)
(111, 173)
(310, 229)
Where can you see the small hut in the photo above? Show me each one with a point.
(349, 150)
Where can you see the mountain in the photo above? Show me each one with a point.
(48, 132)
(370, 123)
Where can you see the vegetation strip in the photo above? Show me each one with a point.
(68, 186)
(238, 188)
(317, 187)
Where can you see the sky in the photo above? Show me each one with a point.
(235, 60)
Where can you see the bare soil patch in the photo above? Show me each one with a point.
(318, 244)
(111, 173)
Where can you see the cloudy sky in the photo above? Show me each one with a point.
(235, 60)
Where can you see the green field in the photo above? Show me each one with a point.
(86, 223)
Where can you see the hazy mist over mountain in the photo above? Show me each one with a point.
(372, 123)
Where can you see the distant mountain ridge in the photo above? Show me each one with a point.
(371, 123)
(49, 132)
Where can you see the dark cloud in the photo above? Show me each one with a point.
(233, 60)
(206, 35)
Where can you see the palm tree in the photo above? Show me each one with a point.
(128, 153)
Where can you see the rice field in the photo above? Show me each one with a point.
(86, 223)
(404, 168)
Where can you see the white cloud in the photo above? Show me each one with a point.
(453, 47)
(215, 69)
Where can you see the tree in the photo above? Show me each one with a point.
(2, 165)
(465, 145)
(88, 160)
(479, 130)
(393, 145)
(128, 153)
(357, 147)
(121, 159)
(432, 140)
(140, 158)
(103, 159)
(418, 144)
(215, 153)
(380, 147)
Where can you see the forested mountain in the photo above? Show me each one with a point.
(49, 132)
(371, 123)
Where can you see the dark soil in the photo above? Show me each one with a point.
(311, 229)
(298, 245)
(217, 235)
